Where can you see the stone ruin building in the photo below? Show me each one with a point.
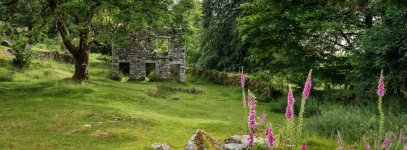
(140, 56)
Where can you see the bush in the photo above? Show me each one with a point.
(22, 58)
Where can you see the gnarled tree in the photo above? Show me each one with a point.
(74, 19)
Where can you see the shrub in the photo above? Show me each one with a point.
(22, 57)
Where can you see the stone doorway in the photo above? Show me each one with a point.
(150, 69)
(176, 72)
(124, 68)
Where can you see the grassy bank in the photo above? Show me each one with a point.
(42, 109)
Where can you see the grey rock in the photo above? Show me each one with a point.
(160, 146)
(238, 142)
(5, 43)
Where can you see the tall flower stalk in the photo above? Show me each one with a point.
(305, 96)
(242, 81)
(380, 94)
(290, 113)
(269, 137)
(367, 146)
(387, 142)
(401, 140)
(251, 101)
(304, 147)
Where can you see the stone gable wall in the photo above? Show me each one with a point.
(140, 51)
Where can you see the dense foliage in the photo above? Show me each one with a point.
(344, 42)
(221, 47)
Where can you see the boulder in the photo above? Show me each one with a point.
(11, 51)
(238, 142)
(197, 141)
(195, 90)
(5, 43)
(160, 146)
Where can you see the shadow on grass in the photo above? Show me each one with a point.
(49, 88)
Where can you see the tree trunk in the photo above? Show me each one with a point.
(81, 67)
(82, 58)
(81, 52)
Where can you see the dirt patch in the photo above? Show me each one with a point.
(6, 53)
(101, 133)
(77, 131)
(11, 126)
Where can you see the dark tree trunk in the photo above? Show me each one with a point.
(80, 53)
(81, 68)
(82, 58)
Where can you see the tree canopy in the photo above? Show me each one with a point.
(81, 23)
(343, 42)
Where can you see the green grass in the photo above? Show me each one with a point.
(41, 109)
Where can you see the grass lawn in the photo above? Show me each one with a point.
(41, 109)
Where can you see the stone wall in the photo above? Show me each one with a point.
(140, 51)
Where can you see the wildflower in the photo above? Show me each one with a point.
(387, 142)
(290, 103)
(290, 96)
(380, 93)
(367, 146)
(289, 112)
(252, 111)
(252, 120)
(405, 147)
(380, 87)
(305, 95)
(264, 117)
(307, 86)
(401, 138)
(269, 137)
(304, 147)
(250, 139)
(252, 117)
(340, 141)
